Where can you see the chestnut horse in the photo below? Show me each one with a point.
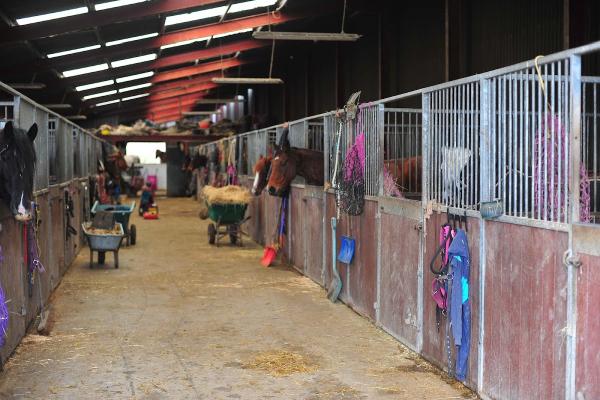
(289, 162)
(261, 174)
(407, 173)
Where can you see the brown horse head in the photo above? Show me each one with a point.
(284, 169)
(261, 174)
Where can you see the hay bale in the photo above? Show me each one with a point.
(227, 195)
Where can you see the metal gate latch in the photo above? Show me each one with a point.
(571, 259)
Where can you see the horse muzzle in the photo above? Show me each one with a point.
(23, 217)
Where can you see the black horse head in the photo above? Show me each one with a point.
(17, 167)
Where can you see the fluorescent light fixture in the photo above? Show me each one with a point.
(194, 16)
(130, 88)
(85, 70)
(116, 3)
(183, 43)
(76, 117)
(310, 36)
(217, 11)
(107, 103)
(132, 39)
(232, 33)
(67, 52)
(251, 5)
(192, 113)
(59, 106)
(135, 77)
(216, 101)
(33, 86)
(50, 16)
(96, 95)
(134, 97)
(249, 81)
(133, 60)
(89, 86)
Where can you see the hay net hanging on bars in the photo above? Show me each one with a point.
(351, 177)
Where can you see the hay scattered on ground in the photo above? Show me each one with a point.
(281, 363)
(227, 195)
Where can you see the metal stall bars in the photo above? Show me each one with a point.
(76, 157)
(528, 151)
(402, 141)
(29, 114)
(590, 144)
(315, 134)
(256, 145)
(452, 166)
(52, 151)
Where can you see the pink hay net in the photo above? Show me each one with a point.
(547, 186)
(355, 156)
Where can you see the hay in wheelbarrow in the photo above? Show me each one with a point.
(226, 195)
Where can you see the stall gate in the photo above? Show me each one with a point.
(55, 174)
(512, 155)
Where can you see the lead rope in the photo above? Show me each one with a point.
(448, 325)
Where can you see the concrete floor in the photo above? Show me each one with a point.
(183, 320)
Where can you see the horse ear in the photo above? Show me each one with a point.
(32, 132)
(8, 134)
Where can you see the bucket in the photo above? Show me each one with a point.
(346, 250)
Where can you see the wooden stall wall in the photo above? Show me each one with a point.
(399, 263)
(588, 327)
(296, 224)
(312, 205)
(525, 312)
(434, 339)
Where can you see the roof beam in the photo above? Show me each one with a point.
(169, 61)
(174, 37)
(198, 69)
(181, 92)
(118, 108)
(98, 18)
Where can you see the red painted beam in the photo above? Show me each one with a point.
(164, 62)
(127, 49)
(182, 83)
(182, 92)
(198, 69)
(99, 18)
(142, 102)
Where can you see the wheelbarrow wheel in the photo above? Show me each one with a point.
(232, 234)
(132, 234)
(212, 233)
(101, 257)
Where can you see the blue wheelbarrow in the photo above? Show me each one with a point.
(121, 214)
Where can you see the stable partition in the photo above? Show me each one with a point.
(512, 154)
(65, 157)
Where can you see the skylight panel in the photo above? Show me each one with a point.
(130, 88)
(73, 51)
(251, 5)
(195, 16)
(135, 77)
(133, 60)
(183, 43)
(94, 85)
(116, 3)
(232, 33)
(134, 97)
(51, 16)
(131, 39)
(85, 70)
(107, 103)
(96, 95)
(217, 11)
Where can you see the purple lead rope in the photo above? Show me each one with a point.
(3, 310)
